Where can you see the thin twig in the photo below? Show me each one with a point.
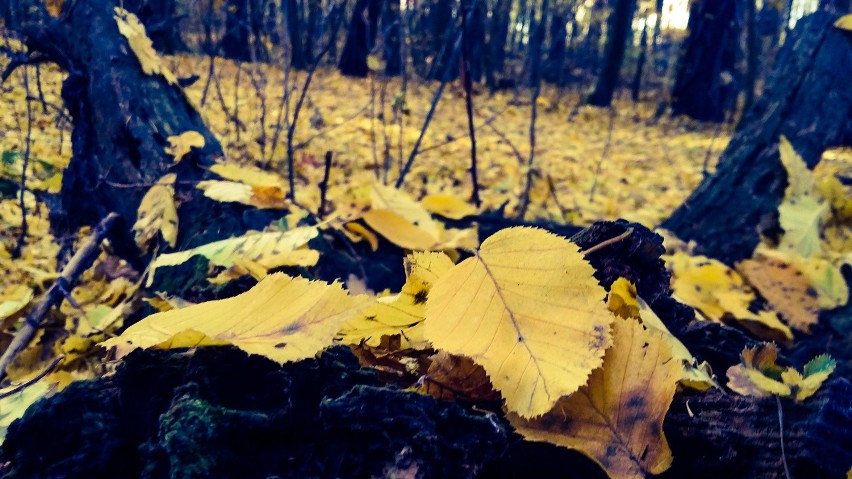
(20, 387)
(468, 101)
(435, 99)
(604, 244)
(80, 262)
(716, 132)
(324, 184)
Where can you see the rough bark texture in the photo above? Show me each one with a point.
(709, 52)
(122, 119)
(807, 99)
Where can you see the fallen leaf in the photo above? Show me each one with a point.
(262, 197)
(528, 309)
(134, 31)
(803, 209)
(815, 372)
(14, 406)
(757, 374)
(400, 313)
(282, 318)
(786, 289)
(181, 145)
(157, 214)
(399, 230)
(249, 175)
(617, 418)
(844, 23)
(252, 246)
(451, 377)
(448, 206)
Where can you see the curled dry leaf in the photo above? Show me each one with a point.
(453, 377)
(157, 213)
(617, 418)
(528, 309)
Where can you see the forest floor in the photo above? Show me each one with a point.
(589, 164)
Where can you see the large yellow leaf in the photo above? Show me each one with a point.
(157, 213)
(399, 313)
(262, 197)
(448, 206)
(844, 23)
(803, 209)
(399, 202)
(399, 230)
(786, 289)
(617, 419)
(528, 309)
(282, 318)
(132, 29)
(252, 246)
(249, 175)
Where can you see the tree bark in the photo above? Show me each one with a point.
(122, 119)
(618, 31)
(703, 84)
(161, 23)
(360, 39)
(807, 99)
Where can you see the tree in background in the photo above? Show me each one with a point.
(703, 86)
(361, 38)
(618, 30)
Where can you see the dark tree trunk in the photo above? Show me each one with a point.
(161, 23)
(751, 51)
(392, 33)
(441, 23)
(707, 59)
(360, 39)
(495, 50)
(122, 119)
(236, 41)
(299, 56)
(555, 63)
(590, 47)
(636, 85)
(806, 99)
(618, 29)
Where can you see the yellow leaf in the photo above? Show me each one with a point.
(15, 405)
(263, 197)
(816, 371)
(528, 309)
(803, 210)
(360, 232)
(157, 213)
(720, 294)
(399, 202)
(448, 206)
(181, 145)
(398, 314)
(282, 318)
(844, 23)
(399, 230)
(623, 301)
(617, 419)
(252, 246)
(133, 30)
(13, 301)
(248, 175)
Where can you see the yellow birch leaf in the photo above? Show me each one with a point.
(252, 246)
(282, 318)
(617, 419)
(134, 31)
(448, 206)
(399, 202)
(262, 197)
(399, 313)
(528, 309)
(157, 213)
(13, 301)
(181, 145)
(845, 23)
(399, 230)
